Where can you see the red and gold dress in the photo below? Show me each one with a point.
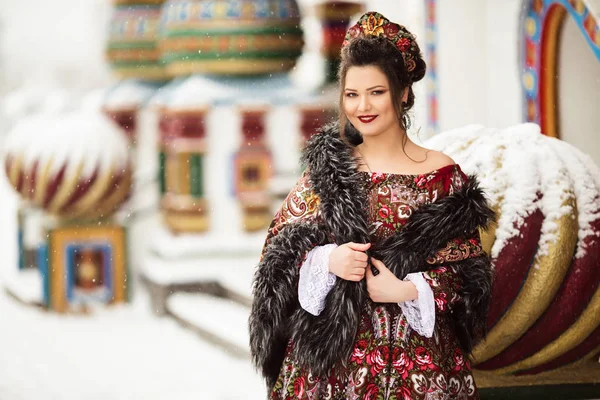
(389, 359)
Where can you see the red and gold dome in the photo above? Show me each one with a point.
(74, 167)
(545, 310)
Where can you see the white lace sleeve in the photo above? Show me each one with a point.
(420, 313)
(315, 279)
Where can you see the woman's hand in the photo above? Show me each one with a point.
(349, 261)
(386, 288)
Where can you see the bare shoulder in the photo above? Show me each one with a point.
(437, 159)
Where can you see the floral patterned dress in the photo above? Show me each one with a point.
(390, 360)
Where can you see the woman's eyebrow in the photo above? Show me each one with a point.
(371, 88)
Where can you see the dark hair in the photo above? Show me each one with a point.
(379, 52)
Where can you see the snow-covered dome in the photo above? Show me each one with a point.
(73, 166)
(132, 48)
(545, 307)
(129, 94)
(199, 91)
(245, 37)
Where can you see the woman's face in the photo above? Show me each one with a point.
(367, 100)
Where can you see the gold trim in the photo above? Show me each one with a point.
(15, 167)
(538, 291)
(114, 200)
(256, 220)
(246, 43)
(183, 173)
(198, 111)
(228, 25)
(575, 335)
(148, 72)
(41, 183)
(488, 237)
(582, 371)
(172, 202)
(183, 222)
(58, 237)
(549, 91)
(89, 200)
(65, 188)
(229, 66)
(133, 55)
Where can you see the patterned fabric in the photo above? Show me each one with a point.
(391, 361)
(301, 204)
(375, 24)
(315, 280)
(420, 312)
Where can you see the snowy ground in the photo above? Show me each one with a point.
(122, 353)
(118, 354)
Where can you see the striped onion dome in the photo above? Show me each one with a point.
(234, 37)
(75, 166)
(132, 48)
(545, 310)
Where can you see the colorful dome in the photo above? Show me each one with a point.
(238, 37)
(545, 310)
(74, 167)
(132, 45)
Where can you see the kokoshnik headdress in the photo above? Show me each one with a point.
(375, 24)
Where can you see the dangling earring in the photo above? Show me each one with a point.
(406, 121)
(352, 134)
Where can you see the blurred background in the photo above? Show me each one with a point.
(147, 144)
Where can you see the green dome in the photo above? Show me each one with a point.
(233, 37)
(132, 49)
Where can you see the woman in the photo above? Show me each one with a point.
(373, 283)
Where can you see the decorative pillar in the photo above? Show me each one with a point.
(432, 78)
(541, 27)
(253, 170)
(335, 17)
(181, 163)
(312, 118)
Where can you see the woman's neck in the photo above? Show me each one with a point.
(384, 147)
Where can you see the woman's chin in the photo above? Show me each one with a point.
(369, 131)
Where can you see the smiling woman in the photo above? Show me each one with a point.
(373, 285)
(375, 97)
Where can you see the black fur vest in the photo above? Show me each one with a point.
(320, 341)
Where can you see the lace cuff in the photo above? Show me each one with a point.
(420, 313)
(315, 279)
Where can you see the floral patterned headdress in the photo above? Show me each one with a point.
(375, 24)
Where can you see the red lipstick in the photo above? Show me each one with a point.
(365, 119)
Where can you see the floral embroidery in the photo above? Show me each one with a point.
(423, 358)
(375, 24)
(388, 360)
(457, 250)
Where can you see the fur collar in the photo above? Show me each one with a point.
(320, 341)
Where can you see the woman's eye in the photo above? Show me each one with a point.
(350, 94)
(377, 92)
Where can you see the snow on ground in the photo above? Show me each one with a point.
(123, 353)
(120, 353)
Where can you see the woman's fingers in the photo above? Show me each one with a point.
(359, 246)
(359, 264)
(360, 256)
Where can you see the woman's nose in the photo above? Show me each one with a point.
(364, 104)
